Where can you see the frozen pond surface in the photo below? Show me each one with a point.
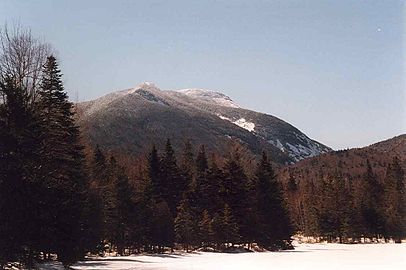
(305, 256)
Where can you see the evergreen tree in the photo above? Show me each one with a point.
(202, 183)
(20, 190)
(229, 227)
(274, 225)
(63, 161)
(99, 166)
(185, 227)
(174, 185)
(206, 229)
(142, 228)
(215, 180)
(335, 211)
(104, 174)
(371, 195)
(162, 230)
(234, 191)
(395, 201)
(124, 206)
(187, 162)
(155, 175)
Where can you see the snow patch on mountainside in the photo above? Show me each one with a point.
(245, 124)
(305, 149)
(224, 118)
(210, 96)
(240, 122)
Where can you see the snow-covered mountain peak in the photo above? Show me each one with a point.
(210, 96)
(148, 86)
(196, 107)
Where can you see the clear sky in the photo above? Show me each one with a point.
(334, 69)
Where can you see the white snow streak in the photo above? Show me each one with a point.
(250, 126)
(245, 124)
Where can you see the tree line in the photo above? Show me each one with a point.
(335, 207)
(197, 204)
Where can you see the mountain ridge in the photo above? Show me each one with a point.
(174, 113)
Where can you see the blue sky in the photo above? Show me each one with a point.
(334, 69)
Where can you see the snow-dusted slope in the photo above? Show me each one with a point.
(210, 96)
(132, 119)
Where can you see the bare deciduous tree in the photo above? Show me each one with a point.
(22, 57)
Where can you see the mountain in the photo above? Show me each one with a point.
(132, 120)
(351, 163)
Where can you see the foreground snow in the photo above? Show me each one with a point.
(305, 256)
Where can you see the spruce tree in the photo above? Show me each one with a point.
(124, 208)
(185, 227)
(202, 183)
(234, 191)
(274, 226)
(99, 166)
(162, 230)
(229, 227)
(335, 208)
(20, 189)
(215, 180)
(369, 199)
(63, 161)
(187, 162)
(154, 174)
(174, 184)
(206, 230)
(395, 201)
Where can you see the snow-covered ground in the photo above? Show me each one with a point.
(305, 256)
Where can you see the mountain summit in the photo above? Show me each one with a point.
(210, 96)
(132, 120)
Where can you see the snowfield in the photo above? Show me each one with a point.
(305, 256)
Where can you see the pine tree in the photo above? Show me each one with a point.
(99, 166)
(124, 207)
(185, 227)
(335, 210)
(143, 222)
(395, 201)
(215, 179)
(155, 174)
(274, 226)
(371, 195)
(234, 191)
(174, 185)
(202, 183)
(162, 227)
(206, 230)
(187, 162)
(63, 161)
(229, 227)
(20, 190)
